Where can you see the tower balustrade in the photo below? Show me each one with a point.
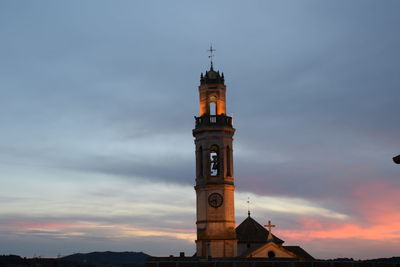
(213, 121)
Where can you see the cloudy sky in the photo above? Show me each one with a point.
(96, 112)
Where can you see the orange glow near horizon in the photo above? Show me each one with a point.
(374, 232)
(309, 230)
(378, 206)
(373, 218)
(113, 230)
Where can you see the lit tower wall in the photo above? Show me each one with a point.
(213, 134)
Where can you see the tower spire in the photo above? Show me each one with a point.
(211, 50)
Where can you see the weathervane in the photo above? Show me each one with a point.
(248, 206)
(211, 50)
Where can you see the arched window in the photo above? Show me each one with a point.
(228, 161)
(271, 254)
(213, 105)
(214, 160)
(213, 108)
(200, 162)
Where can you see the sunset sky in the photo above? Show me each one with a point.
(97, 100)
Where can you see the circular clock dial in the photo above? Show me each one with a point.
(215, 200)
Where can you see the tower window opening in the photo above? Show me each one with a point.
(213, 108)
(200, 160)
(271, 254)
(214, 160)
(213, 105)
(228, 161)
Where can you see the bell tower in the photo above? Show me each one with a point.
(216, 236)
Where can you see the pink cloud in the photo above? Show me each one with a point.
(378, 202)
(376, 216)
(43, 225)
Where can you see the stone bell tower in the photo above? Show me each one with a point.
(213, 134)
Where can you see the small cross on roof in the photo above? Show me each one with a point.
(269, 226)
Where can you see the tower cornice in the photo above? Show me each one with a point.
(212, 77)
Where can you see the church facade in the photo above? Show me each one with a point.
(217, 235)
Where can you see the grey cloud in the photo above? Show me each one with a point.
(314, 83)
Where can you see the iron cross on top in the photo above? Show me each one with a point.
(211, 50)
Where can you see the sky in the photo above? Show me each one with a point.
(97, 100)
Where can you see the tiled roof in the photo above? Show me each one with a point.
(250, 231)
(301, 253)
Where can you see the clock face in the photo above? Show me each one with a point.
(215, 200)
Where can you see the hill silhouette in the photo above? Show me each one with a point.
(108, 257)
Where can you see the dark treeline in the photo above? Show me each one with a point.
(125, 259)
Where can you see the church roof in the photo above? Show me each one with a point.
(250, 231)
(300, 252)
(212, 77)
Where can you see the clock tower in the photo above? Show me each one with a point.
(216, 236)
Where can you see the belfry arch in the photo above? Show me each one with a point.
(214, 160)
(229, 162)
(199, 165)
(212, 106)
